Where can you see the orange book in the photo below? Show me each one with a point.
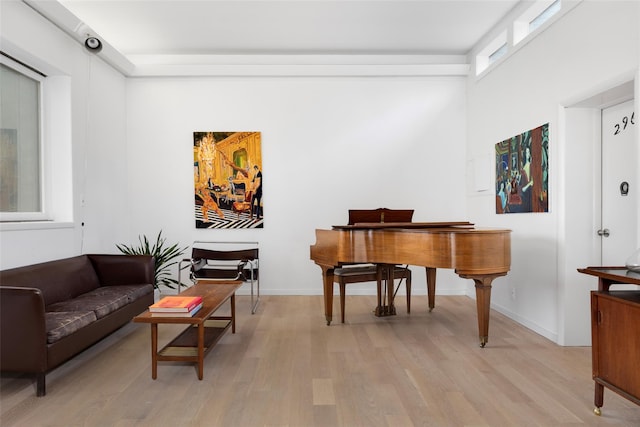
(175, 304)
(176, 313)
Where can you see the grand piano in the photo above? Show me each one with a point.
(480, 254)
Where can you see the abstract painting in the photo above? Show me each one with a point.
(227, 178)
(522, 172)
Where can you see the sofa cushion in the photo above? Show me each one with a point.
(133, 292)
(102, 301)
(58, 280)
(123, 294)
(63, 323)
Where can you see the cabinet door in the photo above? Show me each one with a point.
(619, 344)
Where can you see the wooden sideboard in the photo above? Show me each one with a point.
(615, 334)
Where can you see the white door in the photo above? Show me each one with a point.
(619, 184)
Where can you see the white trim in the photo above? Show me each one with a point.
(229, 70)
(34, 225)
(525, 322)
(298, 65)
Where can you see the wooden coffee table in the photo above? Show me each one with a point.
(204, 329)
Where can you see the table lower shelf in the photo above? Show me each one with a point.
(185, 346)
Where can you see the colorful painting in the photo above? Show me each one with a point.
(522, 172)
(227, 177)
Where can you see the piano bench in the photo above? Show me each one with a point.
(368, 273)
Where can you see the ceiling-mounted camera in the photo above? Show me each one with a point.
(93, 44)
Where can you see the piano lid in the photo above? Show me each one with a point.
(413, 225)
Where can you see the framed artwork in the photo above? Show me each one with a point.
(522, 172)
(227, 178)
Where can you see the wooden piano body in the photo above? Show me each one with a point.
(480, 254)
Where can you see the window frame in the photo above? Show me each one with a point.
(515, 30)
(487, 57)
(522, 26)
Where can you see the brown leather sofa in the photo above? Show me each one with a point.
(51, 311)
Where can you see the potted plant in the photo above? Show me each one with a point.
(164, 256)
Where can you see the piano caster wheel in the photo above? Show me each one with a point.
(483, 341)
(597, 411)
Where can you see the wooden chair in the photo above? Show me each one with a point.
(244, 206)
(358, 273)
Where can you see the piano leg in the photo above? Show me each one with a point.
(431, 287)
(327, 277)
(483, 303)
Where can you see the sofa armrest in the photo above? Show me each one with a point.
(124, 269)
(23, 334)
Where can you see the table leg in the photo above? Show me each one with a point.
(201, 351)
(604, 284)
(233, 313)
(154, 351)
(598, 398)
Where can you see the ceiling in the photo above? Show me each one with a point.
(150, 28)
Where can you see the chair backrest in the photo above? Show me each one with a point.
(233, 255)
(238, 264)
(239, 188)
(380, 215)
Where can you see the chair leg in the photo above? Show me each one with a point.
(254, 305)
(342, 292)
(408, 284)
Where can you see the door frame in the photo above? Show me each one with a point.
(580, 123)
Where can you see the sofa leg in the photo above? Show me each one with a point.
(40, 385)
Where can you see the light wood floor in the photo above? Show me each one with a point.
(285, 367)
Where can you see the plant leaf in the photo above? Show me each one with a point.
(164, 257)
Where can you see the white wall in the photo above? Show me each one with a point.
(88, 144)
(329, 144)
(593, 47)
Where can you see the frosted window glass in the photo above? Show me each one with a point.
(20, 172)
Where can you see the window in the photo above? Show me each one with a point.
(492, 52)
(533, 18)
(21, 173)
(544, 16)
(498, 53)
(537, 14)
